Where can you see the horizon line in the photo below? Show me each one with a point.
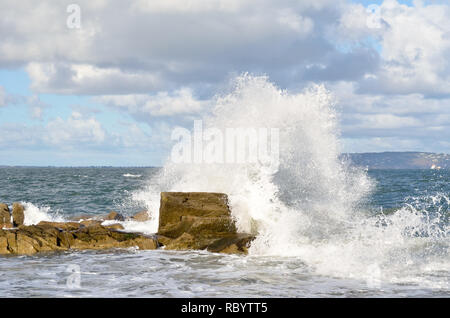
(152, 166)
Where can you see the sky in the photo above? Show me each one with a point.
(108, 88)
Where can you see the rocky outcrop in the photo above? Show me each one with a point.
(18, 214)
(5, 216)
(199, 220)
(187, 221)
(53, 236)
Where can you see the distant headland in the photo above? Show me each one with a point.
(400, 160)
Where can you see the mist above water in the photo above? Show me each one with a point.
(314, 206)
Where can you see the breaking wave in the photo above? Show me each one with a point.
(315, 206)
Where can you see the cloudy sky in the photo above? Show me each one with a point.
(111, 91)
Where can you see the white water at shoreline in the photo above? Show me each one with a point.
(311, 208)
(312, 211)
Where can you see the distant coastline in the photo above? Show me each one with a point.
(370, 160)
(400, 160)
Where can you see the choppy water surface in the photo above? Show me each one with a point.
(181, 274)
(324, 227)
(133, 273)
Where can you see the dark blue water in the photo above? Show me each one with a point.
(74, 191)
(397, 187)
(405, 254)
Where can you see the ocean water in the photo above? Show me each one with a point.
(57, 193)
(324, 227)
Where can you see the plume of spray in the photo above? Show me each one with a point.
(312, 194)
(310, 207)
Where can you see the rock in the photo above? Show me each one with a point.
(37, 238)
(18, 214)
(184, 242)
(5, 216)
(115, 226)
(141, 216)
(194, 220)
(66, 226)
(199, 226)
(54, 236)
(3, 242)
(114, 216)
(91, 222)
(233, 244)
(174, 205)
(82, 217)
(6, 225)
(199, 221)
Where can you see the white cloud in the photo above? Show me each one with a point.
(180, 102)
(74, 130)
(147, 46)
(79, 133)
(187, 5)
(89, 79)
(158, 45)
(376, 144)
(385, 121)
(296, 22)
(2, 96)
(165, 59)
(415, 50)
(377, 122)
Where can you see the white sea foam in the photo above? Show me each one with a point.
(310, 208)
(134, 226)
(129, 175)
(34, 214)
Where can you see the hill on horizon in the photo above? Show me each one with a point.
(400, 160)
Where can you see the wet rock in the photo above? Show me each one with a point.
(184, 242)
(65, 226)
(114, 216)
(174, 205)
(54, 236)
(141, 216)
(232, 244)
(37, 238)
(195, 220)
(199, 221)
(3, 242)
(199, 226)
(5, 216)
(91, 222)
(115, 226)
(6, 225)
(82, 217)
(18, 214)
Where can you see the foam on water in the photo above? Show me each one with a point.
(311, 207)
(34, 214)
(130, 175)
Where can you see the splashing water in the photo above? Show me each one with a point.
(313, 206)
(34, 214)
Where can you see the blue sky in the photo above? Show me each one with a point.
(111, 91)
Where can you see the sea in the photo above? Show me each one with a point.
(410, 260)
(324, 227)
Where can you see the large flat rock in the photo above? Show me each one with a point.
(174, 205)
(199, 221)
